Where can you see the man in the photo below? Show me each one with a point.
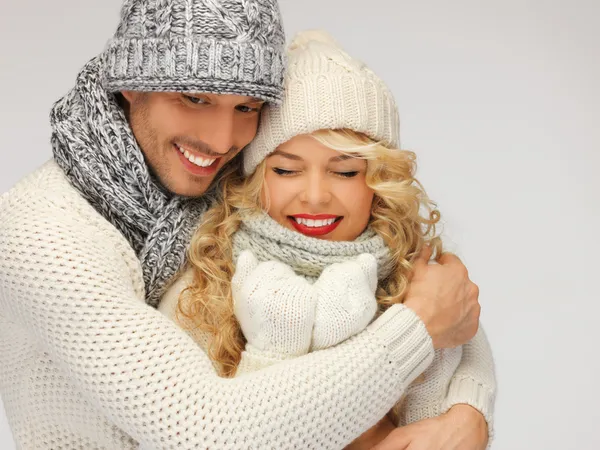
(90, 241)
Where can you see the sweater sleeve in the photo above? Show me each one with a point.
(254, 359)
(70, 288)
(474, 381)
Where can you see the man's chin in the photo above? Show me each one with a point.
(190, 191)
(189, 188)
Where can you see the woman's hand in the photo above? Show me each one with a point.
(275, 307)
(461, 428)
(346, 301)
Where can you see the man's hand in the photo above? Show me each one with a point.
(461, 428)
(374, 435)
(444, 297)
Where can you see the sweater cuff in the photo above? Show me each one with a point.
(470, 392)
(254, 359)
(409, 345)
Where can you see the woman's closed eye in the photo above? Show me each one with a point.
(348, 174)
(284, 172)
(288, 172)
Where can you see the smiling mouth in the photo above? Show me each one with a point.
(195, 159)
(315, 225)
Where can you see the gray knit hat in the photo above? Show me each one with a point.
(214, 46)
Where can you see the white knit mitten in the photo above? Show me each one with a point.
(346, 301)
(275, 307)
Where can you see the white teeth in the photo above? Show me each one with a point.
(204, 162)
(197, 160)
(314, 223)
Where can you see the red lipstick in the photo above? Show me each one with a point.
(313, 230)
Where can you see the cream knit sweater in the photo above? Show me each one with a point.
(86, 364)
(459, 375)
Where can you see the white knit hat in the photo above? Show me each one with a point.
(324, 89)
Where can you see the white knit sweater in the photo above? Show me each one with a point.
(85, 363)
(459, 375)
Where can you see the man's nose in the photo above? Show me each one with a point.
(220, 133)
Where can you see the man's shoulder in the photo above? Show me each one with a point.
(47, 177)
(45, 212)
(46, 200)
(43, 189)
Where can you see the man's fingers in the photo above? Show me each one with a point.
(399, 439)
(449, 258)
(423, 258)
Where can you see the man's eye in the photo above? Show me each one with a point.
(283, 172)
(195, 100)
(347, 174)
(247, 109)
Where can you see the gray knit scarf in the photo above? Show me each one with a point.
(307, 256)
(95, 147)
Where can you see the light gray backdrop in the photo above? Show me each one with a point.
(499, 99)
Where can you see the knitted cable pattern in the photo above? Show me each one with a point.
(222, 47)
(94, 145)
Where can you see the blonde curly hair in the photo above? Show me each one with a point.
(401, 213)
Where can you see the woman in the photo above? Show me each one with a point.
(332, 207)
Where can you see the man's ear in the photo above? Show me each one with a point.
(128, 95)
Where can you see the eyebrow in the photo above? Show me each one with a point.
(255, 100)
(298, 158)
(343, 157)
(286, 155)
(208, 94)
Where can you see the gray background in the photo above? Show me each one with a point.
(499, 99)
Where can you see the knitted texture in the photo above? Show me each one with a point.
(307, 256)
(460, 375)
(346, 301)
(94, 145)
(473, 383)
(85, 363)
(281, 313)
(325, 88)
(216, 46)
(274, 306)
(463, 375)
